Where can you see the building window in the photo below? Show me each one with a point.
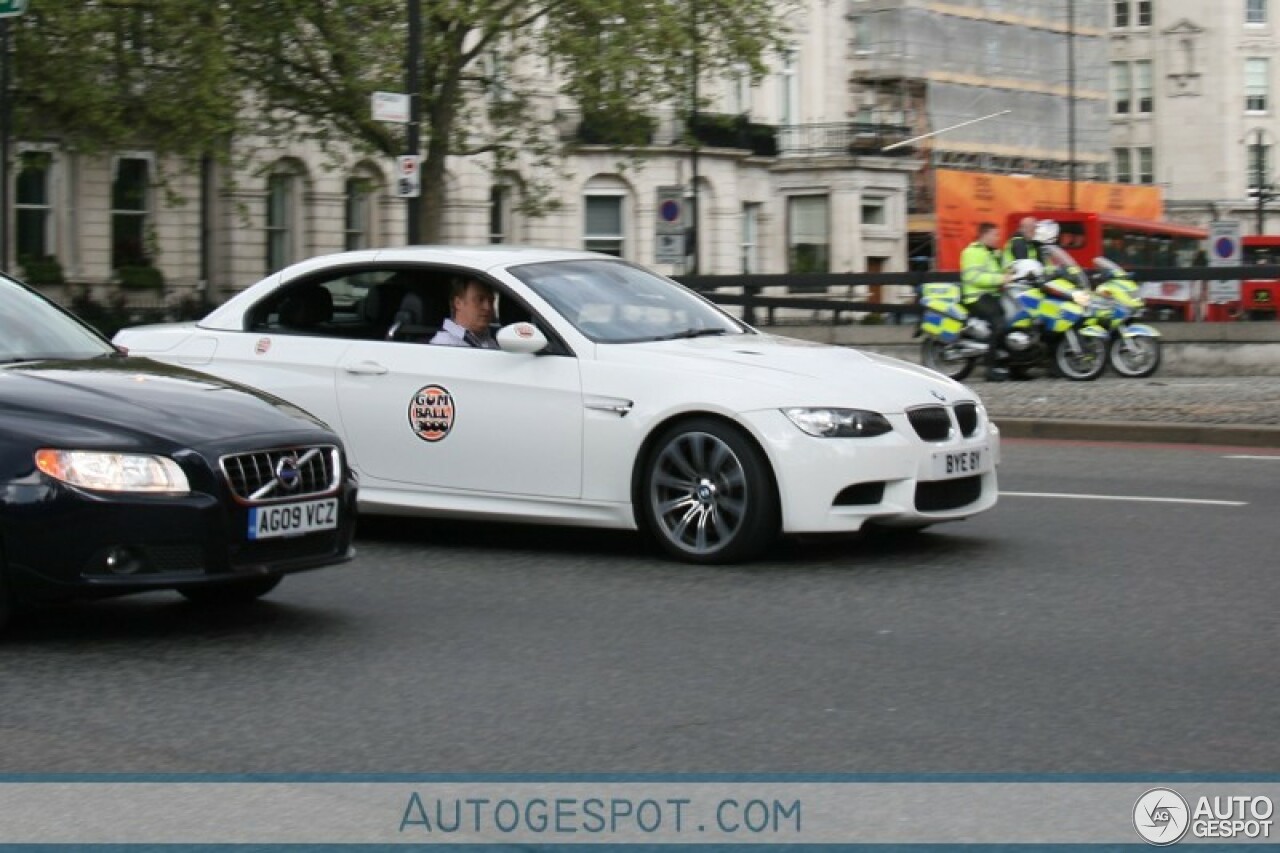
(1255, 12)
(874, 212)
(1256, 74)
(33, 213)
(1144, 13)
(789, 83)
(499, 214)
(861, 36)
(808, 240)
(1120, 14)
(279, 222)
(1142, 92)
(1123, 164)
(129, 198)
(740, 91)
(751, 237)
(1146, 166)
(358, 219)
(1121, 87)
(602, 228)
(1259, 165)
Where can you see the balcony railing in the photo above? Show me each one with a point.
(855, 137)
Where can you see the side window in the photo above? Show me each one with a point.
(330, 306)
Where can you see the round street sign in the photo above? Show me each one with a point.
(670, 211)
(1225, 247)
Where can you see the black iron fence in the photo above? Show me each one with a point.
(863, 292)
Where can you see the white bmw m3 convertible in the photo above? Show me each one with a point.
(613, 397)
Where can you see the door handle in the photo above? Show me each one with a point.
(365, 368)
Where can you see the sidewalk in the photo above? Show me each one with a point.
(1242, 411)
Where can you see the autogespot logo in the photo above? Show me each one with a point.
(1161, 816)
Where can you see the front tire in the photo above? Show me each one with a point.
(933, 356)
(707, 495)
(230, 593)
(1085, 365)
(1139, 359)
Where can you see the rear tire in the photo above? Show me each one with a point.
(931, 356)
(1139, 362)
(230, 593)
(707, 494)
(1084, 366)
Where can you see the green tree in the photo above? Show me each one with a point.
(315, 63)
(184, 77)
(102, 74)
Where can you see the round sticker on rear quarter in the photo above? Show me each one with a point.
(431, 413)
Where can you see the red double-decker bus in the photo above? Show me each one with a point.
(1260, 297)
(1133, 244)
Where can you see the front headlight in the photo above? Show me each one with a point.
(113, 472)
(839, 423)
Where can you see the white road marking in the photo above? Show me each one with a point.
(1135, 498)
(1275, 458)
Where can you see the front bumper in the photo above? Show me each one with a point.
(60, 542)
(832, 485)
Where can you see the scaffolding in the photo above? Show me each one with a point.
(948, 62)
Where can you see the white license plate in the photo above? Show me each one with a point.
(269, 522)
(948, 464)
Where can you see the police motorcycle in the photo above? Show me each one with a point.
(1045, 315)
(1134, 348)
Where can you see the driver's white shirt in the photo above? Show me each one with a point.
(453, 335)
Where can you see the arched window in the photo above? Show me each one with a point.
(606, 215)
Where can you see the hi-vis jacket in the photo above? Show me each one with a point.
(981, 271)
(1020, 248)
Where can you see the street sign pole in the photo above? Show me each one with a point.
(413, 206)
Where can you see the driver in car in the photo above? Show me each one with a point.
(471, 304)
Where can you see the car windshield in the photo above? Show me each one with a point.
(614, 302)
(32, 328)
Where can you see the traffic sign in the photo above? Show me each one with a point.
(1224, 243)
(669, 226)
(388, 106)
(408, 176)
(12, 8)
(1225, 250)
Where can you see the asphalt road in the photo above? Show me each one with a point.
(1053, 635)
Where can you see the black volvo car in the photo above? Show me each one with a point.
(121, 475)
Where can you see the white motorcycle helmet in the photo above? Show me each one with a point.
(1027, 269)
(1046, 232)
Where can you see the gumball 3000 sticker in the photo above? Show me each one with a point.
(431, 413)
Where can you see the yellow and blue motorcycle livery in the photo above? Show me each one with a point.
(1134, 348)
(1045, 314)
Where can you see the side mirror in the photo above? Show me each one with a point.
(521, 337)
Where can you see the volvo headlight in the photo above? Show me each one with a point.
(113, 472)
(839, 423)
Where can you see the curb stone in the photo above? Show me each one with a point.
(1229, 435)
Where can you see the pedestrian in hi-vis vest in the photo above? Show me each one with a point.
(982, 276)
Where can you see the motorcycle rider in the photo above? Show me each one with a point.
(982, 276)
(1023, 245)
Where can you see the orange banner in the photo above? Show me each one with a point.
(964, 199)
